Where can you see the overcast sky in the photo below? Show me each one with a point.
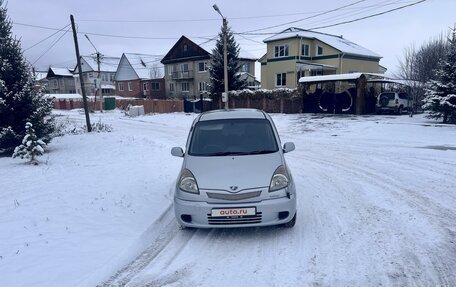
(163, 22)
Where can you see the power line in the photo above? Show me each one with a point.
(201, 20)
(250, 33)
(114, 36)
(339, 23)
(344, 16)
(46, 38)
(310, 17)
(52, 45)
(369, 16)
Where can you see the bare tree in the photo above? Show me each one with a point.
(156, 71)
(418, 66)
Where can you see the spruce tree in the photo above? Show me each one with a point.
(217, 84)
(31, 146)
(20, 99)
(440, 100)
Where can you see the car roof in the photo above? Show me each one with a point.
(232, 114)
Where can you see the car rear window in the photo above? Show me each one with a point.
(390, 96)
(232, 137)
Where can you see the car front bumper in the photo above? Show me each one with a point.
(268, 212)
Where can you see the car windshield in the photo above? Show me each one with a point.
(232, 137)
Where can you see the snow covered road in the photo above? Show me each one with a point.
(376, 206)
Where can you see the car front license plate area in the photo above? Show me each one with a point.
(233, 212)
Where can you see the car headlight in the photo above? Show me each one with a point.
(187, 182)
(280, 179)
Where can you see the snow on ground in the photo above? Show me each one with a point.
(376, 206)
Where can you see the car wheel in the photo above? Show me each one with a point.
(291, 223)
(399, 111)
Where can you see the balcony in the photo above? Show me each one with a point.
(182, 75)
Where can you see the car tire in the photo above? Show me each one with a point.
(399, 111)
(291, 223)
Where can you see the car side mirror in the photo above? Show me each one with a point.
(177, 151)
(288, 146)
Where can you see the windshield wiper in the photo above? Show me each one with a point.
(262, 151)
(226, 153)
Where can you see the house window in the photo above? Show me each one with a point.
(145, 86)
(171, 87)
(316, 73)
(155, 86)
(90, 75)
(305, 50)
(319, 50)
(202, 86)
(130, 87)
(120, 86)
(184, 67)
(185, 48)
(104, 77)
(281, 79)
(281, 51)
(185, 87)
(170, 70)
(245, 68)
(202, 67)
(111, 77)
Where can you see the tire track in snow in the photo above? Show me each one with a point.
(165, 228)
(436, 214)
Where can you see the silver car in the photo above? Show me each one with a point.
(234, 173)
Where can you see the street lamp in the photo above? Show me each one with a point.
(225, 56)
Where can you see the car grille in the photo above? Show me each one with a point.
(248, 219)
(234, 196)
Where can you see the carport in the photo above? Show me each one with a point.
(353, 93)
(336, 94)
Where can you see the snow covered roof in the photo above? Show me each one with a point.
(396, 81)
(243, 54)
(40, 75)
(313, 66)
(142, 64)
(337, 77)
(106, 86)
(372, 77)
(107, 64)
(63, 96)
(337, 42)
(65, 72)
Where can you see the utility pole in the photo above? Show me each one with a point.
(81, 80)
(98, 76)
(225, 55)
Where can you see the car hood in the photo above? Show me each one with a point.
(224, 172)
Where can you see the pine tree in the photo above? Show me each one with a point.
(440, 98)
(20, 101)
(31, 146)
(217, 84)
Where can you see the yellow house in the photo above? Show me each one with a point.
(295, 53)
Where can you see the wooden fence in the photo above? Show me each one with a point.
(286, 105)
(150, 106)
(153, 106)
